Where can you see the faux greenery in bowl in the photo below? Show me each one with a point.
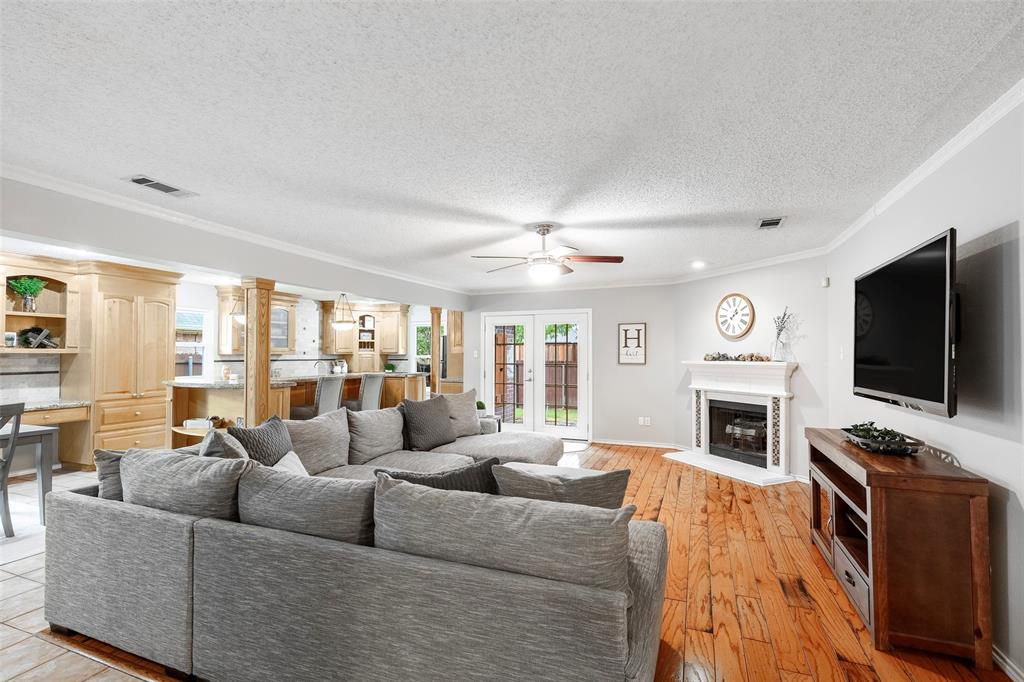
(882, 440)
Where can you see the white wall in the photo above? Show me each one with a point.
(621, 392)
(795, 284)
(980, 191)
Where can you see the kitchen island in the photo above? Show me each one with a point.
(191, 398)
(398, 386)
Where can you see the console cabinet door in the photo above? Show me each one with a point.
(822, 521)
(156, 345)
(117, 342)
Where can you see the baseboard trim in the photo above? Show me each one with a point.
(1012, 670)
(636, 443)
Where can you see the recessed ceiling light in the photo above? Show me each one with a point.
(698, 265)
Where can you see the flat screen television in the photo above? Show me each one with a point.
(905, 328)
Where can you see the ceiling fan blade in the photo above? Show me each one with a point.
(505, 257)
(595, 259)
(565, 269)
(506, 267)
(560, 251)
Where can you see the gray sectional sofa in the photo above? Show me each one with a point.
(232, 599)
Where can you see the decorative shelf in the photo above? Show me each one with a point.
(48, 316)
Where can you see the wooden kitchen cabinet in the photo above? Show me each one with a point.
(454, 331)
(134, 346)
(334, 341)
(283, 311)
(231, 331)
(393, 331)
(58, 308)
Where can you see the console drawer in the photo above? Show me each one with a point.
(151, 437)
(854, 583)
(58, 415)
(121, 414)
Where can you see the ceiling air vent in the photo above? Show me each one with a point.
(770, 223)
(163, 187)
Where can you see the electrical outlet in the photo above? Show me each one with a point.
(647, 421)
(640, 421)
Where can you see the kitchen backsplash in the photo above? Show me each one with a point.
(29, 378)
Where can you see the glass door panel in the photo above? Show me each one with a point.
(561, 346)
(508, 372)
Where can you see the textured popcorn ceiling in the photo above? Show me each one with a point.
(408, 136)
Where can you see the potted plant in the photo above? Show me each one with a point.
(28, 288)
(481, 408)
(389, 367)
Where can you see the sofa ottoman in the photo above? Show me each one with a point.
(508, 446)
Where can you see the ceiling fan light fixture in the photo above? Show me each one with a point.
(344, 319)
(545, 271)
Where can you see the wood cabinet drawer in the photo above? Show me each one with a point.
(122, 414)
(152, 437)
(57, 416)
(855, 584)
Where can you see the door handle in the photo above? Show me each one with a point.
(527, 379)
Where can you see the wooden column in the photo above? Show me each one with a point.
(257, 349)
(435, 350)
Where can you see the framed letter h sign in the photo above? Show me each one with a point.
(633, 343)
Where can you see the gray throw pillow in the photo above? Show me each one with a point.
(266, 443)
(335, 508)
(373, 433)
(184, 484)
(108, 470)
(563, 484)
(462, 408)
(427, 423)
(220, 444)
(321, 442)
(567, 542)
(474, 478)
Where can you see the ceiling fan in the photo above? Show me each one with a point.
(546, 265)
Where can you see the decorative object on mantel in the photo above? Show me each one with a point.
(632, 343)
(881, 440)
(28, 288)
(36, 337)
(734, 316)
(785, 325)
(742, 357)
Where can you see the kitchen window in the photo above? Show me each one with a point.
(188, 343)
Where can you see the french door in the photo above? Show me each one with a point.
(536, 372)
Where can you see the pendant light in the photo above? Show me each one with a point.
(238, 312)
(347, 320)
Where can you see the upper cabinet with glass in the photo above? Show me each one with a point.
(231, 327)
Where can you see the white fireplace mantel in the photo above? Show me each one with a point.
(760, 383)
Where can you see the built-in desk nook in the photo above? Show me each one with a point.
(907, 538)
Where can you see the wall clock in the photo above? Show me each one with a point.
(734, 316)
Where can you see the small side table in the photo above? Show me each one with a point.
(45, 440)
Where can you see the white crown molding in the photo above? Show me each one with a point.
(975, 129)
(45, 181)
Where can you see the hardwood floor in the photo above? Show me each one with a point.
(747, 597)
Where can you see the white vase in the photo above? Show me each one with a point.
(782, 349)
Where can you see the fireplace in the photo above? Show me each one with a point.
(740, 419)
(738, 431)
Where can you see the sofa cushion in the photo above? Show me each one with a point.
(427, 423)
(108, 470)
(321, 442)
(359, 472)
(508, 446)
(335, 508)
(184, 484)
(567, 542)
(563, 484)
(291, 464)
(462, 408)
(373, 433)
(266, 443)
(474, 478)
(421, 462)
(220, 444)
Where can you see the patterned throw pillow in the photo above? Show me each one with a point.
(474, 478)
(427, 423)
(266, 443)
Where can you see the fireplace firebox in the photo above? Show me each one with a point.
(738, 431)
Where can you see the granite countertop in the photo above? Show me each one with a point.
(314, 377)
(189, 382)
(57, 404)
